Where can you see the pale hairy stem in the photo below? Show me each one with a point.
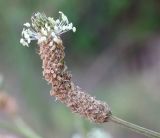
(133, 127)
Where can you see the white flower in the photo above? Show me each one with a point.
(63, 25)
(70, 26)
(53, 34)
(64, 28)
(47, 27)
(74, 29)
(28, 40)
(23, 42)
(44, 31)
(26, 35)
(42, 39)
(27, 24)
(52, 21)
(57, 21)
(55, 28)
(64, 17)
(43, 27)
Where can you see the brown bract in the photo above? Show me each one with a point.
(55, 73)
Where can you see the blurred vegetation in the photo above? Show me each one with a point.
(114, 55)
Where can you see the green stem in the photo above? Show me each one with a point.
(136, 128)
(24, 129)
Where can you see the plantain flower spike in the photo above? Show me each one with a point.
(44, 27)
(47, 32)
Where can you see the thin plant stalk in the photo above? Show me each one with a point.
(135, 128)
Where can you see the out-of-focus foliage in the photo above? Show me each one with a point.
(114, 55)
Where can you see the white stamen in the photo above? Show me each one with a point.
(56, 28)
(51, 20)
(27, 24)
(53, 34)
(74, 29)
(23, 42)
(57, 21)
(42, 28)
(42, 39)
(47, 27)
(26, 35)
(28, 40)
(64, 28)
(64, 18)
(44, 31)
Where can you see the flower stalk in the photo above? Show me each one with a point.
(47, 32)
(135, 128)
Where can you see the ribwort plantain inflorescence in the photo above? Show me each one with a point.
(47, 32)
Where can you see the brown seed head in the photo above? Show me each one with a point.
(55, 72)
(47, 32)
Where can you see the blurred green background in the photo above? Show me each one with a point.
(114, 55)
